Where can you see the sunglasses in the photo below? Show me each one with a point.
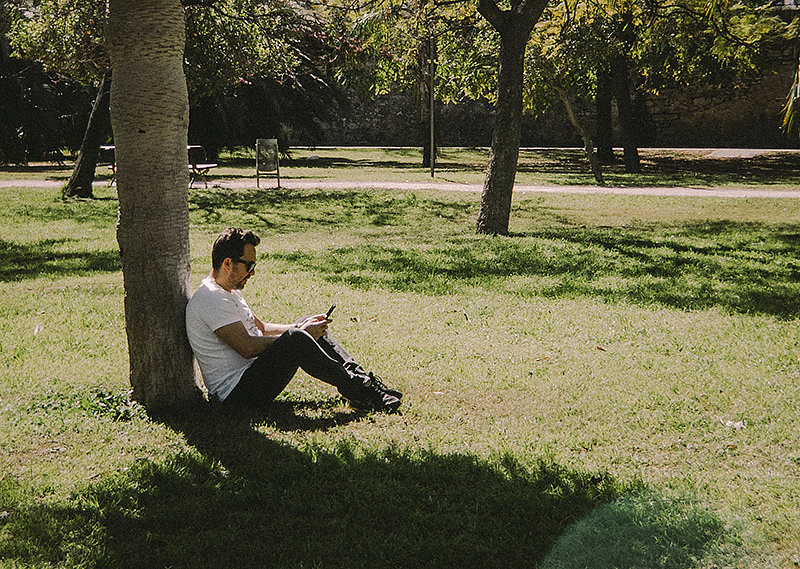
(249, 265)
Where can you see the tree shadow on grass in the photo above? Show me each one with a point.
(740, 267)
(46, 258)
(245, 500)
(271, 209)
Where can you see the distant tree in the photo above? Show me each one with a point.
(514, 26)
(400, 39)
(34, 117)
(67, 37)
(276, 63)
(230, 44)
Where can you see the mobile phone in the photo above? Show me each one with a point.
(330, 311)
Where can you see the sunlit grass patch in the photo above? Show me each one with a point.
(648, 530)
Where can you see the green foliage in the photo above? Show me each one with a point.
(232, 41)
(791, 111)
(64, 35)
(668, 45)
(100, 403)
(467, 57)
(465, 48)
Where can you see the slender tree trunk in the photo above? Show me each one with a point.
(80, 183)
(627, 117)
(425, 57)
(149, 116)
(588, 145)
(514, 26)
(605, 138)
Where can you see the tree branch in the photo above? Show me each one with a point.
(493, 14)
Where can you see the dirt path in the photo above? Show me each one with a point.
(247, 183)
(450, 186)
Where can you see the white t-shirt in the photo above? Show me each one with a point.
(210, 308)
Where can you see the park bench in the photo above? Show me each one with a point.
(198, 164)
(267, 159)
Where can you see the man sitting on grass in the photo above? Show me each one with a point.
(245, 361)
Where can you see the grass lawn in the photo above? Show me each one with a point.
(696, 168)
(614, 385)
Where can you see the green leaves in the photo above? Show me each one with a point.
(66, 36)
(791, 120)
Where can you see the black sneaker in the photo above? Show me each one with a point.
(373, 399)
(378, 383)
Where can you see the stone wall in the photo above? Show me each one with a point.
(745, 118)
(748, 118)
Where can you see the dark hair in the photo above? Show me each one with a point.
(230, 244)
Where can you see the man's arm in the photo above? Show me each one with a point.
(238, 338)
(270, 328)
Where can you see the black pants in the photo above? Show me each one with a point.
(324, 359)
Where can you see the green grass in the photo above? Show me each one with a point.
(614, 385)
(548, 166)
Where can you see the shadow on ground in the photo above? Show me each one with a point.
(740, 267)
(667, 169)
(46, 258)
(242, 499)
(274, 209)
(245, 500)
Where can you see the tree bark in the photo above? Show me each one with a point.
(588, 145)
(149, 117)
(80, 183)
(424, 57)
(627, 117)
(605, 138)
(514, 26)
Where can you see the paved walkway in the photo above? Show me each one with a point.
(247, 183)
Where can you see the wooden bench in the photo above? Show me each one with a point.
(198, 164)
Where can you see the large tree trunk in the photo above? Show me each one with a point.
(149, 116)
(514, 27)
(80, 183)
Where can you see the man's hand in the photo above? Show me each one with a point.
(315, 325)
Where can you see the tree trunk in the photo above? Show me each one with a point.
(425, 58)
(627, 117)
(514, 26)
(149, 116)
(588, 145)
(605, 138)
(80, 183)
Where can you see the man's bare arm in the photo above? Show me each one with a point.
(247, 346)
